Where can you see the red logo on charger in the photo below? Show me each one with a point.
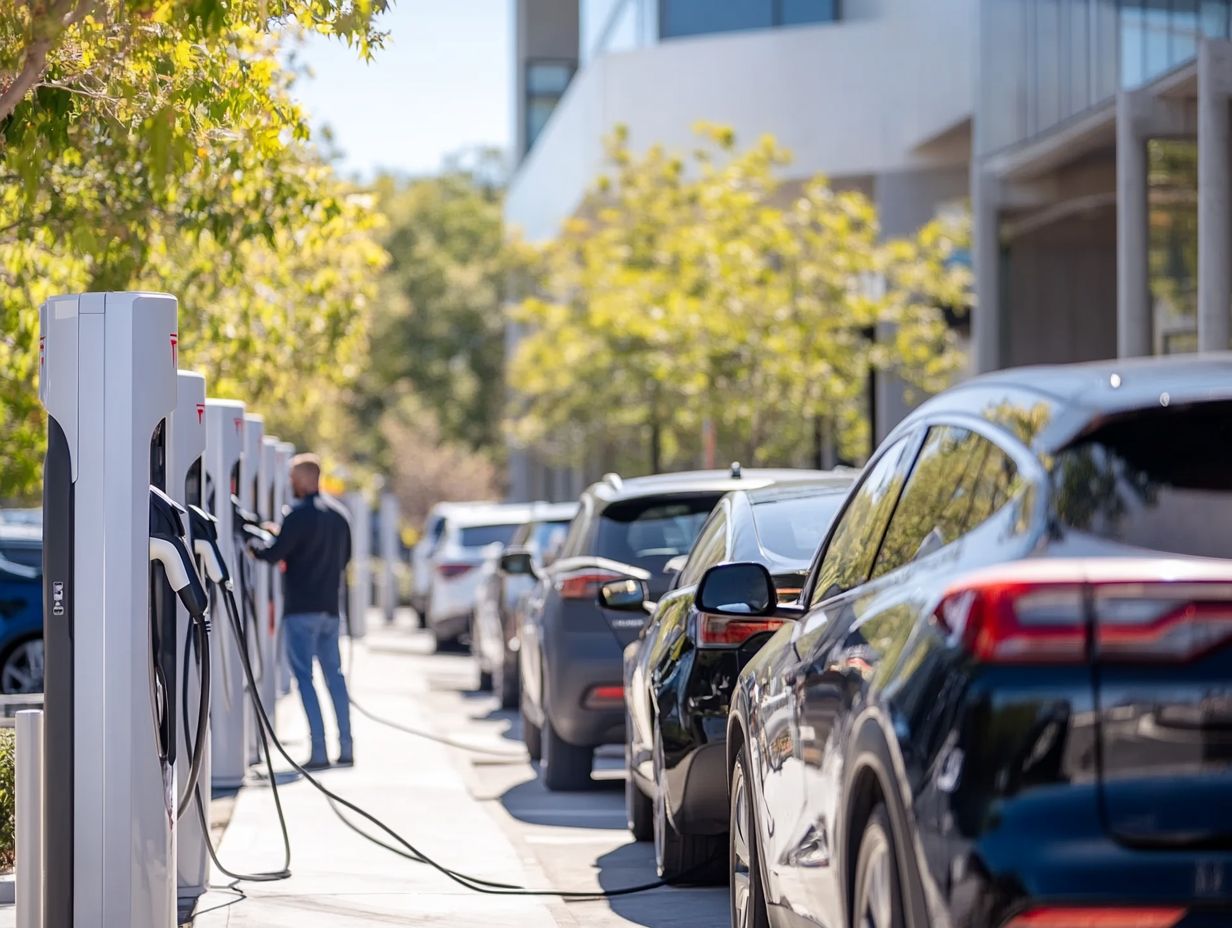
(200, 413)
(175, 350)
(42, 352)
(239, 425)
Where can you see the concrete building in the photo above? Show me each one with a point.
(1100, 179)
(876, 94)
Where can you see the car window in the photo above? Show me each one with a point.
(1156, 479)
(709, 549)
(579, 529)
(960, 479)
(548, 535)
(792, 528)
(480, 536)
(650, 532)
(849, 554)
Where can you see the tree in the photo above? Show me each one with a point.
(155, 143)
(439, 330)
(705, 297)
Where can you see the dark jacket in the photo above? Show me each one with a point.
(315, 544)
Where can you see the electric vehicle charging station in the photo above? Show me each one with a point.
(282, 484)
(269, 611)
(224, 472)
(257, 592)
(361, 564)
(389, 555)
(113, 543)
(186, 483)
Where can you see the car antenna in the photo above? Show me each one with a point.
(735, 470)
(613, 480)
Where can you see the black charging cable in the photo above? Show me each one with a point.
(467, 881)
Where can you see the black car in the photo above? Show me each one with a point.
(569, 645)
(1006, 698)
(680, 671)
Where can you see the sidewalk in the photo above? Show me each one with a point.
(415, 785)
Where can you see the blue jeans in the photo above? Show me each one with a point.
(315, 634)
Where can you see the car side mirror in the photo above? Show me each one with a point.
(741, 589)
(623, 595)
(517, 562)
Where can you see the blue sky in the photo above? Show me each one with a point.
(442, 83)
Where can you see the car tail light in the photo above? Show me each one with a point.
(717, 631)
(453, 570)
(1056, 611)
(604, 697)
(584, 584)
(1052, 917)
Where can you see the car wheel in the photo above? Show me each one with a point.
(22, 670)
(566, 767)
(532, 737)
(506, 685)
(680, 858)
(878, 891)
(639, 810)
(747, 894)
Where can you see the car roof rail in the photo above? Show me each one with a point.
(613, 480)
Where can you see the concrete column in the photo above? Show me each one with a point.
(1214, 196)
(1134, 335)
(986, 255)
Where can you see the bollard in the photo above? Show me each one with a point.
(29, 814)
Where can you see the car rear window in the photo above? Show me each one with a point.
(650, 532)
(549, 534)
(480, 536)
(1159, 479)
(793, 528)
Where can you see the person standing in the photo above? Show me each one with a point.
(314, 543)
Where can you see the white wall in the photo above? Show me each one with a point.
(849, 99)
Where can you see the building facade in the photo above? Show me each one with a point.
(814, 73)
(1100, 180)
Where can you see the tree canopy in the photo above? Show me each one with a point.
(156, 143)
(702, 296)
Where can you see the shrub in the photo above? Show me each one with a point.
(8, 797)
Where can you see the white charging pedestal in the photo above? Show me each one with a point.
(108, 381)
(361, 564)
(282, 485)
(224, 472)
(258, 572)
(186, 485)
(389, 555)
(269, 607)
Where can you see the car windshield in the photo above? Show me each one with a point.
(1156, 479)
(650, 532)
(793, 528)
(547, 535)
(480, 536)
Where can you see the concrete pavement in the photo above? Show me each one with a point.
(480, 813)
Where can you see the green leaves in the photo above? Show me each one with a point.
(710, 296)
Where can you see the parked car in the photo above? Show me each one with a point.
(21, 607)
(1006, 696)
(494, 637)
(421, 553)
(570, 656)
(680, 670)
(455, 562)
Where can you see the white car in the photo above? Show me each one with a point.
(454, 564)
(421, 554)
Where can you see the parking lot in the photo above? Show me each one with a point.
(480, 813)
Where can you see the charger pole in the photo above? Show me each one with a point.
(361, 563)
(29, 819)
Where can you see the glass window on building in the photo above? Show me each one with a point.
(678, 18)
(1172, 260)
(546, 82)
(1159, 35)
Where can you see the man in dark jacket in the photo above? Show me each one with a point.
(315, 545)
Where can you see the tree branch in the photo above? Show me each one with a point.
(60, 16)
